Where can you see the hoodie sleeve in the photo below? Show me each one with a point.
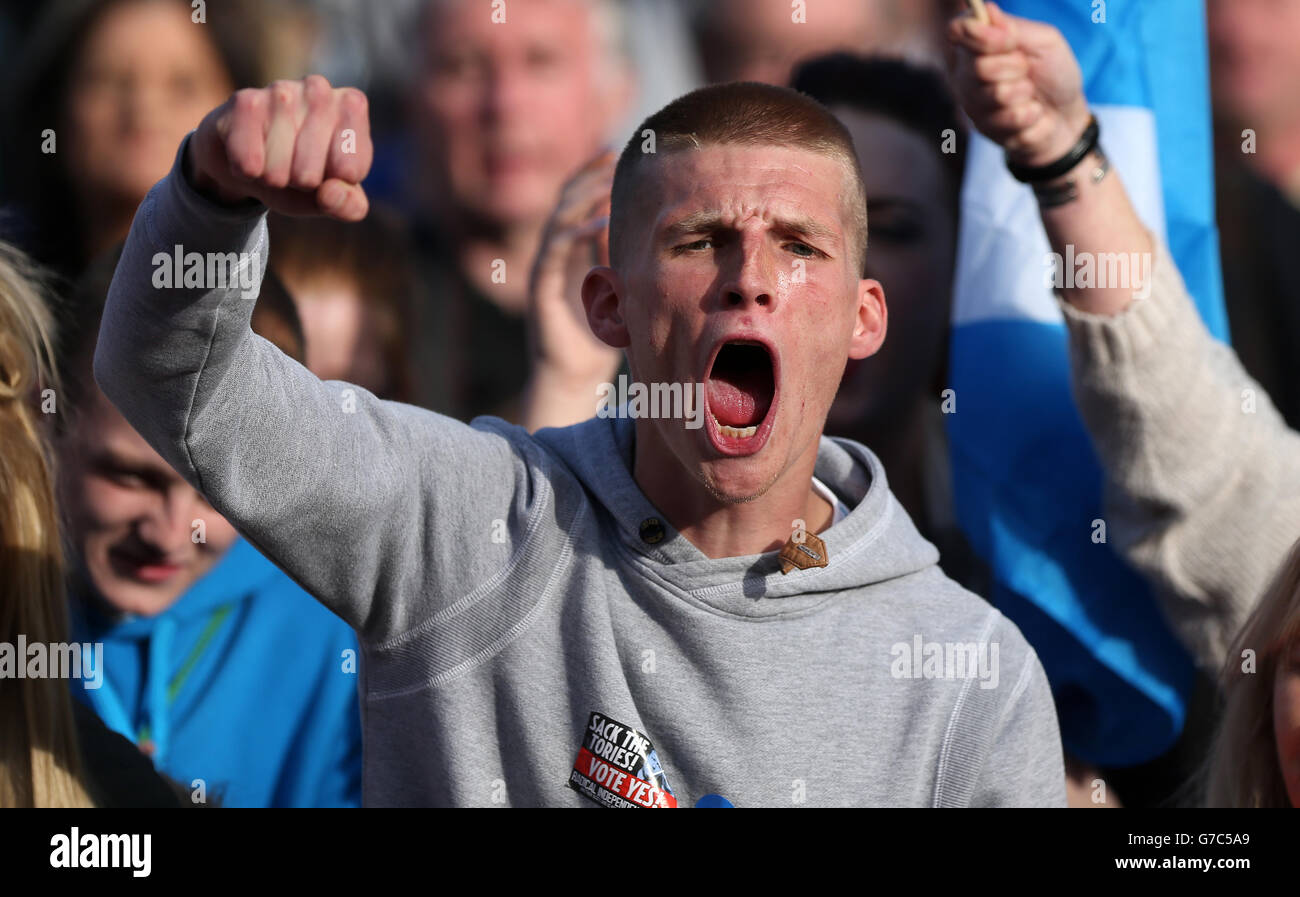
(1025, 766)
(384, 512)
(1002, 747)
(1202, 473)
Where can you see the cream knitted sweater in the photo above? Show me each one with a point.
(1203, 475)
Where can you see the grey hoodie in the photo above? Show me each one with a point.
(526, 638)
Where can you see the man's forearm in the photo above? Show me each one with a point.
(159, 336)
(1203, 474)
(1201, 495)
(273, 448)
(1099, 223)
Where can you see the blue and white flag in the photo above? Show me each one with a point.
(1027, 483)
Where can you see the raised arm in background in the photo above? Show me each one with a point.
(1203, 476)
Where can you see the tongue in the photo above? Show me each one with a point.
(740, 400)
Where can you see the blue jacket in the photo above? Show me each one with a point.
(246, 683)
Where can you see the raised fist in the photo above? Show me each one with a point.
(1019, 82)
(300, 147)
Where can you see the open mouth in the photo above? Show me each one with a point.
(149, 569)
(741, 390)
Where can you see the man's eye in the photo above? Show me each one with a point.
(803, 250)
(184, 86)
(695, 245)
(456, 65)
(542, 58)
(127, 479)
(1291, 660)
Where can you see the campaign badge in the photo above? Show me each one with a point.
(617, 767)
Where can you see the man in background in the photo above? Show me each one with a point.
(504, 110)
(226, 674)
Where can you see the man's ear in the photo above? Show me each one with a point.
(602, 294)
(872, 318)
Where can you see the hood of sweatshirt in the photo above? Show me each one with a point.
(875, 543)
(236, 683)
(138, 695)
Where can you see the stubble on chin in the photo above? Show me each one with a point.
(724, 498)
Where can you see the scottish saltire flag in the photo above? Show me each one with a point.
(1027, 483)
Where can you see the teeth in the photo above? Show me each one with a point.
(736, 432)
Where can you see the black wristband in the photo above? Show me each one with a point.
(1038, 174)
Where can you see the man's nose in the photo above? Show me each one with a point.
(169, 523)
(139, 102)
(505, 90)
(753, 276)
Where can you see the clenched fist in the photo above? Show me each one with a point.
(1019, 82)
(300, 147)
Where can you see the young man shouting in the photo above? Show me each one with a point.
(631, 611)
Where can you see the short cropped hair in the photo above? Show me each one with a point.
(745, 113)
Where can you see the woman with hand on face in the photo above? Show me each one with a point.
(567, 362)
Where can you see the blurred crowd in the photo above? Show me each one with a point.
(431, 301)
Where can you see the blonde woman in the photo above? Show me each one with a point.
(40, 762)
(1256, 762)
(53, 752)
